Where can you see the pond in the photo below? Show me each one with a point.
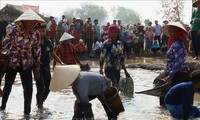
(59, 105)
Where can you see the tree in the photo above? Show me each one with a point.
(127, 16)
(93, 11)
(87, 10)
(70, 13)
(172, 10)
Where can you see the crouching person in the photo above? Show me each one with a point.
(85, 86)
(179, 99)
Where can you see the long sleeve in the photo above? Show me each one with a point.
(37, 50)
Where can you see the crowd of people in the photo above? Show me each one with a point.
(31, 42)
(89, 36)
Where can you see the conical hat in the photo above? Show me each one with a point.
(63, 76)
(66, 36)
(194, 3)
(175, 24)
(29, 15)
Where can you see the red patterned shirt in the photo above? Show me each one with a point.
(67, 54)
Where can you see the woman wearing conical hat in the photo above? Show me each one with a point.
(66, 51)
(176, 70)
(24, 45)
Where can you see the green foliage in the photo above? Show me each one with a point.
(87, 10)
(93, 11)
(128, 16)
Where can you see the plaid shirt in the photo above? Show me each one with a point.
(67, 54)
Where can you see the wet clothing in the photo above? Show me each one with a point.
(24, 52)
(181, 96)
(176, 58)
(43, 82)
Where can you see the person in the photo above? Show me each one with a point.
(97, 47)
(60, 29)
(86, 86)
(126, 41)
(89, 37)
(112, 54)
(3, 24)
(66, 51)
(176, 70)
(179, 99)
(51, 26)
(149, 36)
(157, 32)
(81, 47)
(25, 50)
(195, 29)
(96, 31)
(164, 38)
(47, 51)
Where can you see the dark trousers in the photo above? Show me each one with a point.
(179, 77)
(43, 85)
(110, 114)
(113, 74)
(196, 42)
(89, 45)
(158, 38)
(27, 84)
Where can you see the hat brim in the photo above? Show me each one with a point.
(63, 76)
(65, 37)
(30, 16)
(175, 24)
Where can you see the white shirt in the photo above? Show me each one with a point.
(157, 29)
(97, 45)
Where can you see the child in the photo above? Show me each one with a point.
(179, 99)
(149, 36)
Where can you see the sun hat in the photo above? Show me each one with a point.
(29, 15)
(66, 36)
(63, 76)
(194, 3)
(175, 24)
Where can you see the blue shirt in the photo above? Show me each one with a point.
(181, 94)
(176, 58)
(96, 31)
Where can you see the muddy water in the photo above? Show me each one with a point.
(59, 105)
